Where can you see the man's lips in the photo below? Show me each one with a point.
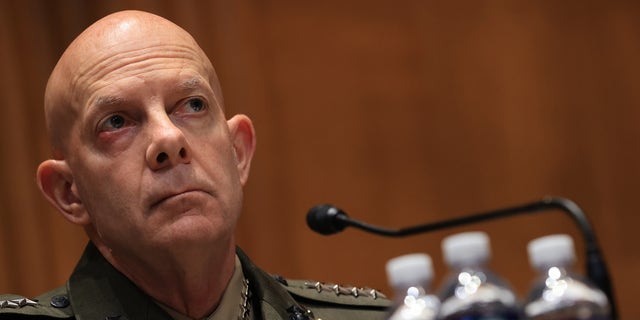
(172, 195)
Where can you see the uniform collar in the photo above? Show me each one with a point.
(270, 299)
(230, 306)
(98, 291)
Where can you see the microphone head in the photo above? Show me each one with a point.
(323, 219)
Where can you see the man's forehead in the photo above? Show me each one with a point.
(184, 86)
(131, 24)
(125, 31)
(123, 47)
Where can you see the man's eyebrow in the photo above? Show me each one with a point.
(191, 84)
(187, 85)
(108, 100)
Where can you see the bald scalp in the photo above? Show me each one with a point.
(62, 101)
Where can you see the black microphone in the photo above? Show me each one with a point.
(327, 219)
(324, 219)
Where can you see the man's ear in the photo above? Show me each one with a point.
(55, 180)
(244, 143)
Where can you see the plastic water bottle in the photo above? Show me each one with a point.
(472, 291)
(410, 276)
(559, 293)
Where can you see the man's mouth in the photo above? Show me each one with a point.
(175, 196)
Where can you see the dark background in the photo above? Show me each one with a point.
(399, 112)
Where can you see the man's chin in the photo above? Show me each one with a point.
(197, 228)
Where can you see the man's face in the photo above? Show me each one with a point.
(150, 152)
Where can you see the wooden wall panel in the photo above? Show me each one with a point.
(400, 113)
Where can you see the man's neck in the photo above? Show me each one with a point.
(189, 281)
(234, 303)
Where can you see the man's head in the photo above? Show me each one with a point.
(144, 158)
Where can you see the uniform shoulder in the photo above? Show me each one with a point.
(335, 293)
(51, 305)
(334, 301)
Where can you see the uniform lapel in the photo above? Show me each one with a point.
(270, 300)
(98, 291)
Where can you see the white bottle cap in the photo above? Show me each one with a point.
(410, 270)
(466, 249)
(551, 251)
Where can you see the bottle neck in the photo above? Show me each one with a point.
(470, 267)
(555, 272)
(415, 290)
(480, 264)
(473, 276)
(476, 269)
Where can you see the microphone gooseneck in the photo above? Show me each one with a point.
(327, 219)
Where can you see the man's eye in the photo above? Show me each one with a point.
(195, 105)
(116, 121)
(113, 122)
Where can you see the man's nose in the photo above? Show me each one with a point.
(168, 145)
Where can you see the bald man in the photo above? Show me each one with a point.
(146, 163)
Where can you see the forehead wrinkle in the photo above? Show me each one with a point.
(105, 63)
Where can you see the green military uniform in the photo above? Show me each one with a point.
(96, 290)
